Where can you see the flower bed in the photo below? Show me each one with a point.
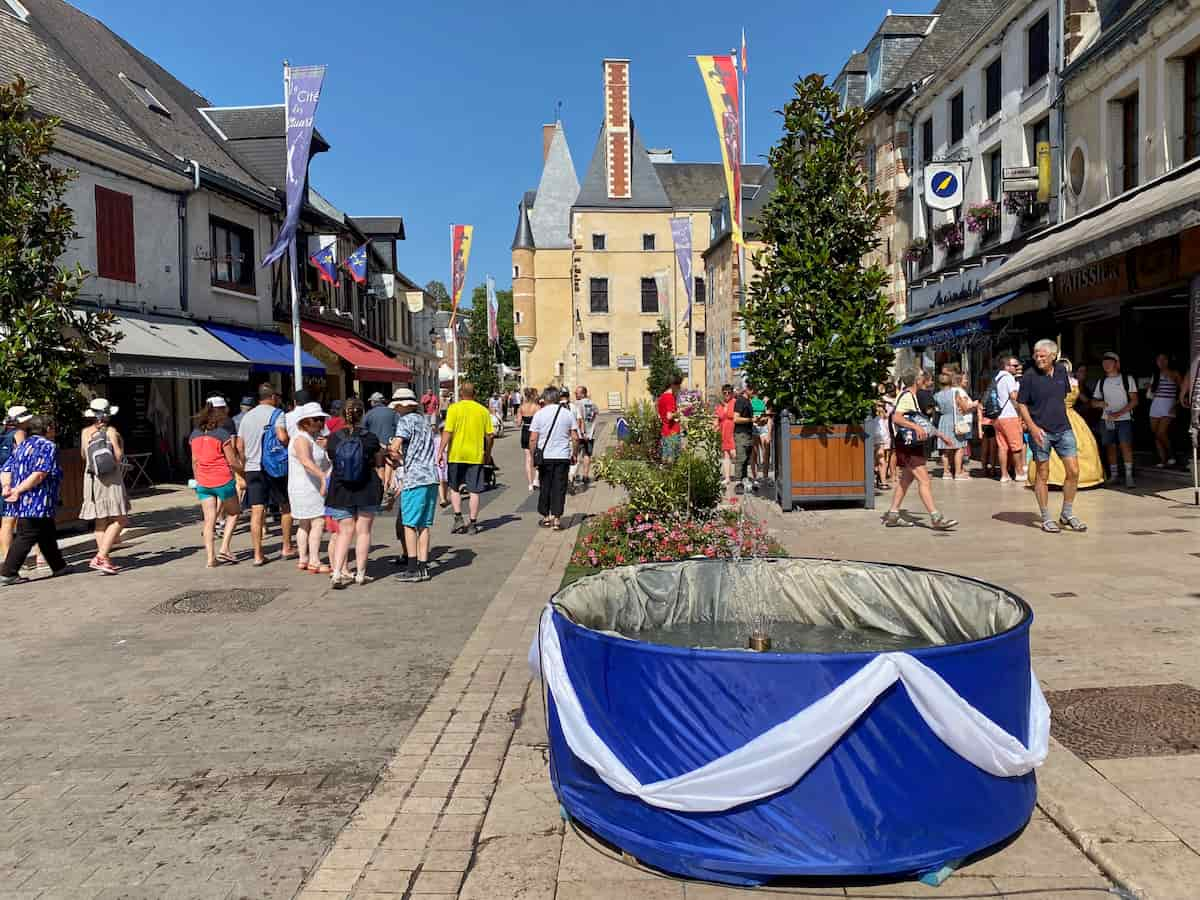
(622, 537)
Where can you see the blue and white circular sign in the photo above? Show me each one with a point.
(943, 185)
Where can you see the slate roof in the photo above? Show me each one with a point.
(900, 26)
(857, 63)
(99, 57)
(647, 191)
(392, 226)
(549, 208)
(523, 239)
(699, 185)
(55, 87)
(958, 22)
(256, 137)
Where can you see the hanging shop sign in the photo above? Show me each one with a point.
(944, 185)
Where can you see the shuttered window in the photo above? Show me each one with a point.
(114, 236)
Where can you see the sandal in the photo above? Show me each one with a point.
(227, 558)
(546, 522)
(261, 562)
(302, 565)
(1050, 526)
(1072, 522)
(319, 570)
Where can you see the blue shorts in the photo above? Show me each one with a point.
(225, 492)
(1121, 434)
(417, 505)
(1062, 442)
(340, 514)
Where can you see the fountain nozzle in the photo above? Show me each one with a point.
(760, 642)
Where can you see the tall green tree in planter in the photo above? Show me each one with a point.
(662, 360)
(46, 347)
(817, 313)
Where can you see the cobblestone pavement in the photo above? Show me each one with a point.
(159, 755)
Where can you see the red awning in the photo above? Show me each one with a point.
(370, 363)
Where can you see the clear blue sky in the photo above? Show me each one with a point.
(434, 110)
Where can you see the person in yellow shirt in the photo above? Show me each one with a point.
(467, 443)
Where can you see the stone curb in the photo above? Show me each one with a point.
(1124, 841)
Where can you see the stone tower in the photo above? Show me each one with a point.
(524, 307)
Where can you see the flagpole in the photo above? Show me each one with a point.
(293, 279)
(745, 114)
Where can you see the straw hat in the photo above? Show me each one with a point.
(100, 407)
(404, 397)
(18, 415)
(309, 411)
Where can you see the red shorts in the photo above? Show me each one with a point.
(1008, 435)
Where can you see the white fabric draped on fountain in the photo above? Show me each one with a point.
(778, 758)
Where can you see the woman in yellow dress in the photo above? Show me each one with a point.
(1091, 471)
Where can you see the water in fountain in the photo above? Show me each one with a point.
(786, 637)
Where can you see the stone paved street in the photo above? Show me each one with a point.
(145, 754)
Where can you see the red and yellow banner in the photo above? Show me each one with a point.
(460, 253)
(721, 82)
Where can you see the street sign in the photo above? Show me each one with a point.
(626, 361)
(1012, 185)
(944, 185)
(684, 363)
(1014, 172)
(737, 359)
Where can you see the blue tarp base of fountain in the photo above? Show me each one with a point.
(889, 797)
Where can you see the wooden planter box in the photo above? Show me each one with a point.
(823, 463)
(70, 493)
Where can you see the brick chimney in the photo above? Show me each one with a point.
(618, 151)
(547, 137)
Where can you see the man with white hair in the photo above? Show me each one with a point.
(1041, 403)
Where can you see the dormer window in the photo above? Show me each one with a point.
(143, 93)
(874, 70)
(17, 10)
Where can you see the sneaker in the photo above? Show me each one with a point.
(7, 580)
(1171, 462)
(1006, 480)
(1128, 479)
(1113, 478)
(532, 488)
(537, 486)
(938, 522)
(460, 527)
(895, 520)
(361, 578)
(1072, 522)
(106, 566)
(423, 572)
(473, 528)
(963, 477)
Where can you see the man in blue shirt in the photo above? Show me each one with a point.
(30, 480)
(1041, 403)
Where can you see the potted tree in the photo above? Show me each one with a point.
(816, 310)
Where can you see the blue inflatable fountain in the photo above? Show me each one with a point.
(892, 728)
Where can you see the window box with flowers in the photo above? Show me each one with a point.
(984, 219)
(919, 253)
(949, 236)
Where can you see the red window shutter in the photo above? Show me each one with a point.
(114, 236)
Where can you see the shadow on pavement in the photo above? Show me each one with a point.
(498, 522)
(447, 559)
(1028, 519)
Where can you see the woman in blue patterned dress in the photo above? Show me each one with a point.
(30, 480)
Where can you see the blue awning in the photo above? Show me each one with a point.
(950, 325)
(267, 351)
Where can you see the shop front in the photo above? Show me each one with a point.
(152, 373)
(270, 355)
(353, 366)
(1124, 277)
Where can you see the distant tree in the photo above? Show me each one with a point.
(480, 353)
(47, 347)
(510, 353)
(662, 360)
(440, 294)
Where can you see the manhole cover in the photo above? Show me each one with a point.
(231, 600)
(1120, 722)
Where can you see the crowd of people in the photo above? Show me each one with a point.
(1049, 414)
(326, 475)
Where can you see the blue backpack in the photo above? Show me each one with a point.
(274, 453)
(349, 460)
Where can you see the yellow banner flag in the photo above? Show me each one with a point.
(721, 82)
(460, 253)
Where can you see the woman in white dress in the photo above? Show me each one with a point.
(308, 468)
